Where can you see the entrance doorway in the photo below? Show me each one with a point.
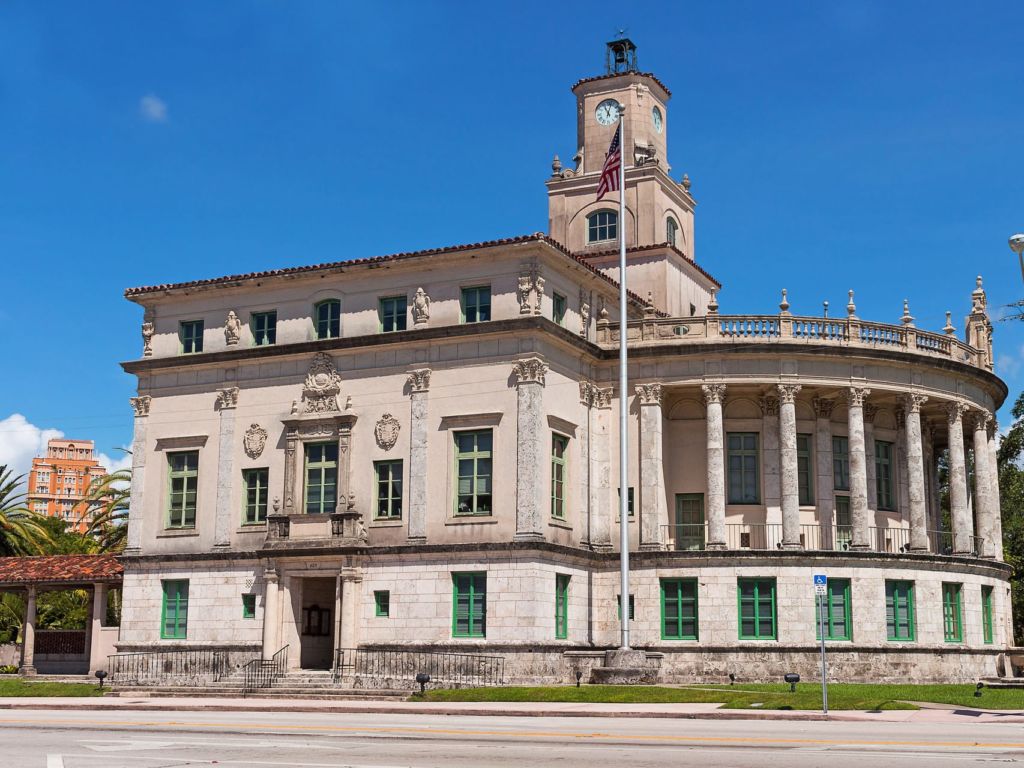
(316, 624)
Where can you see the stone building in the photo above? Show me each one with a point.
(419, 451)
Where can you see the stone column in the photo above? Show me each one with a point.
(419, 386)
(714, 397)
(227, 400)
(99, 613)
(912, 403)
(291, 442)
(28, 634)
(994, 497)
(271, 614)
(788, 466)
(859, 515)
(870, 411)
(530, 449)
(600, 457)
(932, 479)
(653, 510)
(963, 527)
(901, 475)
(770, 463)
(983, 483)
(351, 580)
(140, 405)
(824, 482)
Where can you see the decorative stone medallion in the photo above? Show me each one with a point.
(254, 441)
(386, 431)
(322, 385)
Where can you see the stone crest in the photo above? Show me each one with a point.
(322, 386)
(420, 308)
(386, 431)
(254, 441)
(232, 329)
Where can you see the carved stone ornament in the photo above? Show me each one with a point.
(955, 412)
(769, 405)
(141, 404)
(588, 391)
(322, 386)
(254, 441)
(584, 314)
(386, 431)
(148, 329)
(531, 289)
(823, 407)
(870, 411)
(419, 380)
(788, 392)
(912, 402)
(530, 371)
(232, 329)
(227, 397)
(649, 394)
(855, 395)
(420, 308)
(713, 393)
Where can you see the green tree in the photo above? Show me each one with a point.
(21, 531)
(107, 498)
(1011, 493)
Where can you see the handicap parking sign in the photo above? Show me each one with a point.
(820, 583)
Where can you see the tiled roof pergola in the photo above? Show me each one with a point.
(66, 570)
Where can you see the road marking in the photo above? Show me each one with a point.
(221, 761)
(54, 761)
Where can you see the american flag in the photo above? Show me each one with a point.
(612, 162)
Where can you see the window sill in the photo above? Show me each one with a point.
(556, 523)
(386, 523)
(252, 528)
(471, 520)
(174, 533)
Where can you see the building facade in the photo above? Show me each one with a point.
(58, 482)
(419, 451)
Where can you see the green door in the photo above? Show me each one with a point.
(689, 524)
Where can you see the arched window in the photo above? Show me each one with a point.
(327, 319)
(671, 228)
(602, 226)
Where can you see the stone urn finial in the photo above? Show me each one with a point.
(784, 304)
(556, 166)
(686, 182)
(851, 308)
(907, 319)
(713, 303)
(948, 329)
(824, 306)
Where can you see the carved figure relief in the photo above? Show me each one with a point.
(420, 308)
(322, 386)
(254, 441)
(584, 313)
(386, 431)
(232, 329)
(147, 338)
(531, 290)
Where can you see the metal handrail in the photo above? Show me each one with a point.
(446, 670)
(262, 673)
(182, 667)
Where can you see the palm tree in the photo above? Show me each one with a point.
(107, 498)
(20, 530)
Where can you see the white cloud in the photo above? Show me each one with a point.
(20, 441)
(120, 460)
(153, 109)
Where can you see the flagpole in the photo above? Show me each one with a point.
(623, 397)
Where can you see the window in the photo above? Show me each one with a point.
(602, 226)
(838, 612)
(756, 609)
(257, 485)
(883, 475)
(559, 444)
(382, 603)
(844, 530)
(986, 615)
(476, 304)
(618, 608)
(184, 482)
(840, 463)
(689, 524)
(743, 481)
(264, 328)
(191, 334)
(174, 615)
(561, 606)
(804, 470)
(671, 228)
(899, 610)
(327, 318)
(248, 606)
(678, 609)
(389, 489)
(469, 604)
(473, 472)
(558, 305)
(392, 314)
(321, 478)
(952, 613)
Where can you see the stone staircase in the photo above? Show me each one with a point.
(301, 684)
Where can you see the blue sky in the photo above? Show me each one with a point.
(867, 145)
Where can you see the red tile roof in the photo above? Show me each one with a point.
(60, 569)
(621, 74)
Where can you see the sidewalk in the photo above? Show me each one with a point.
(934, 713)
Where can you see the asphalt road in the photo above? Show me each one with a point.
(70, 739)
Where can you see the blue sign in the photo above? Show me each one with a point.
(820, 580)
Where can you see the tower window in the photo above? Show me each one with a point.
(671, 228)
(602, 226)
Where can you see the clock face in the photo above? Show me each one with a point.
(659, 124)
(607, 112)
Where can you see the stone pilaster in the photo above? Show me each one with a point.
(98, 611)
(916, 489)
(983, 483)
(653, 511)
(530, 454)
(788, 466)
(770, 459)
(291, 443)
(140, 405)
(351, 584)
(963, 527)
(997, 516)
(227, 401)
(419, 387)
(271, 614)
(870, 411)
(823, 480)
(714, 398)
(901, 475)
(600, 411)
(859, 514)
(931, 469)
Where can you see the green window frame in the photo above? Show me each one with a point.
(264, 328)
(183, 488)
(257, 490)
(899, 611)
(804, 470)
(562, 605)
(174, 610)
(679, 609)
(558, 307)
(987, 616)
(884, 475)
(840, 463)
(952, 612)
(388, 476)
(469, 604)
(743, 466)
(248, 606)
(629, 502)
(393, 313)
(476, 304)
(838, 611)
(473, 472)
(559, 447)
(844, 527)
(327, 318)
(321, 473)
(618, 608)
(190, 332)
(756, 609)
(382, 603)
(602, 226)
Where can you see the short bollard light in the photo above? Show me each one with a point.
(977, 689)
(579, 676)
(422, 678)
(732, 679)
(792, 678)
(101, 675)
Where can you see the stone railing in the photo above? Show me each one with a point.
(784, 327)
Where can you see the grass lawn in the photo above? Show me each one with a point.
(767, 695)
(19, 687)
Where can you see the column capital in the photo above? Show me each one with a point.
(855, 396)
(419, 380)
(788, 392)
(955, 412)
(870, 411)
(594, 396)
(227, 397)
(713, 393)
(823, 407)
(530, 371)
(769, 405)
(912, 401)
(979, 419)
(140, 405)
(901, 417)
(649, 394)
